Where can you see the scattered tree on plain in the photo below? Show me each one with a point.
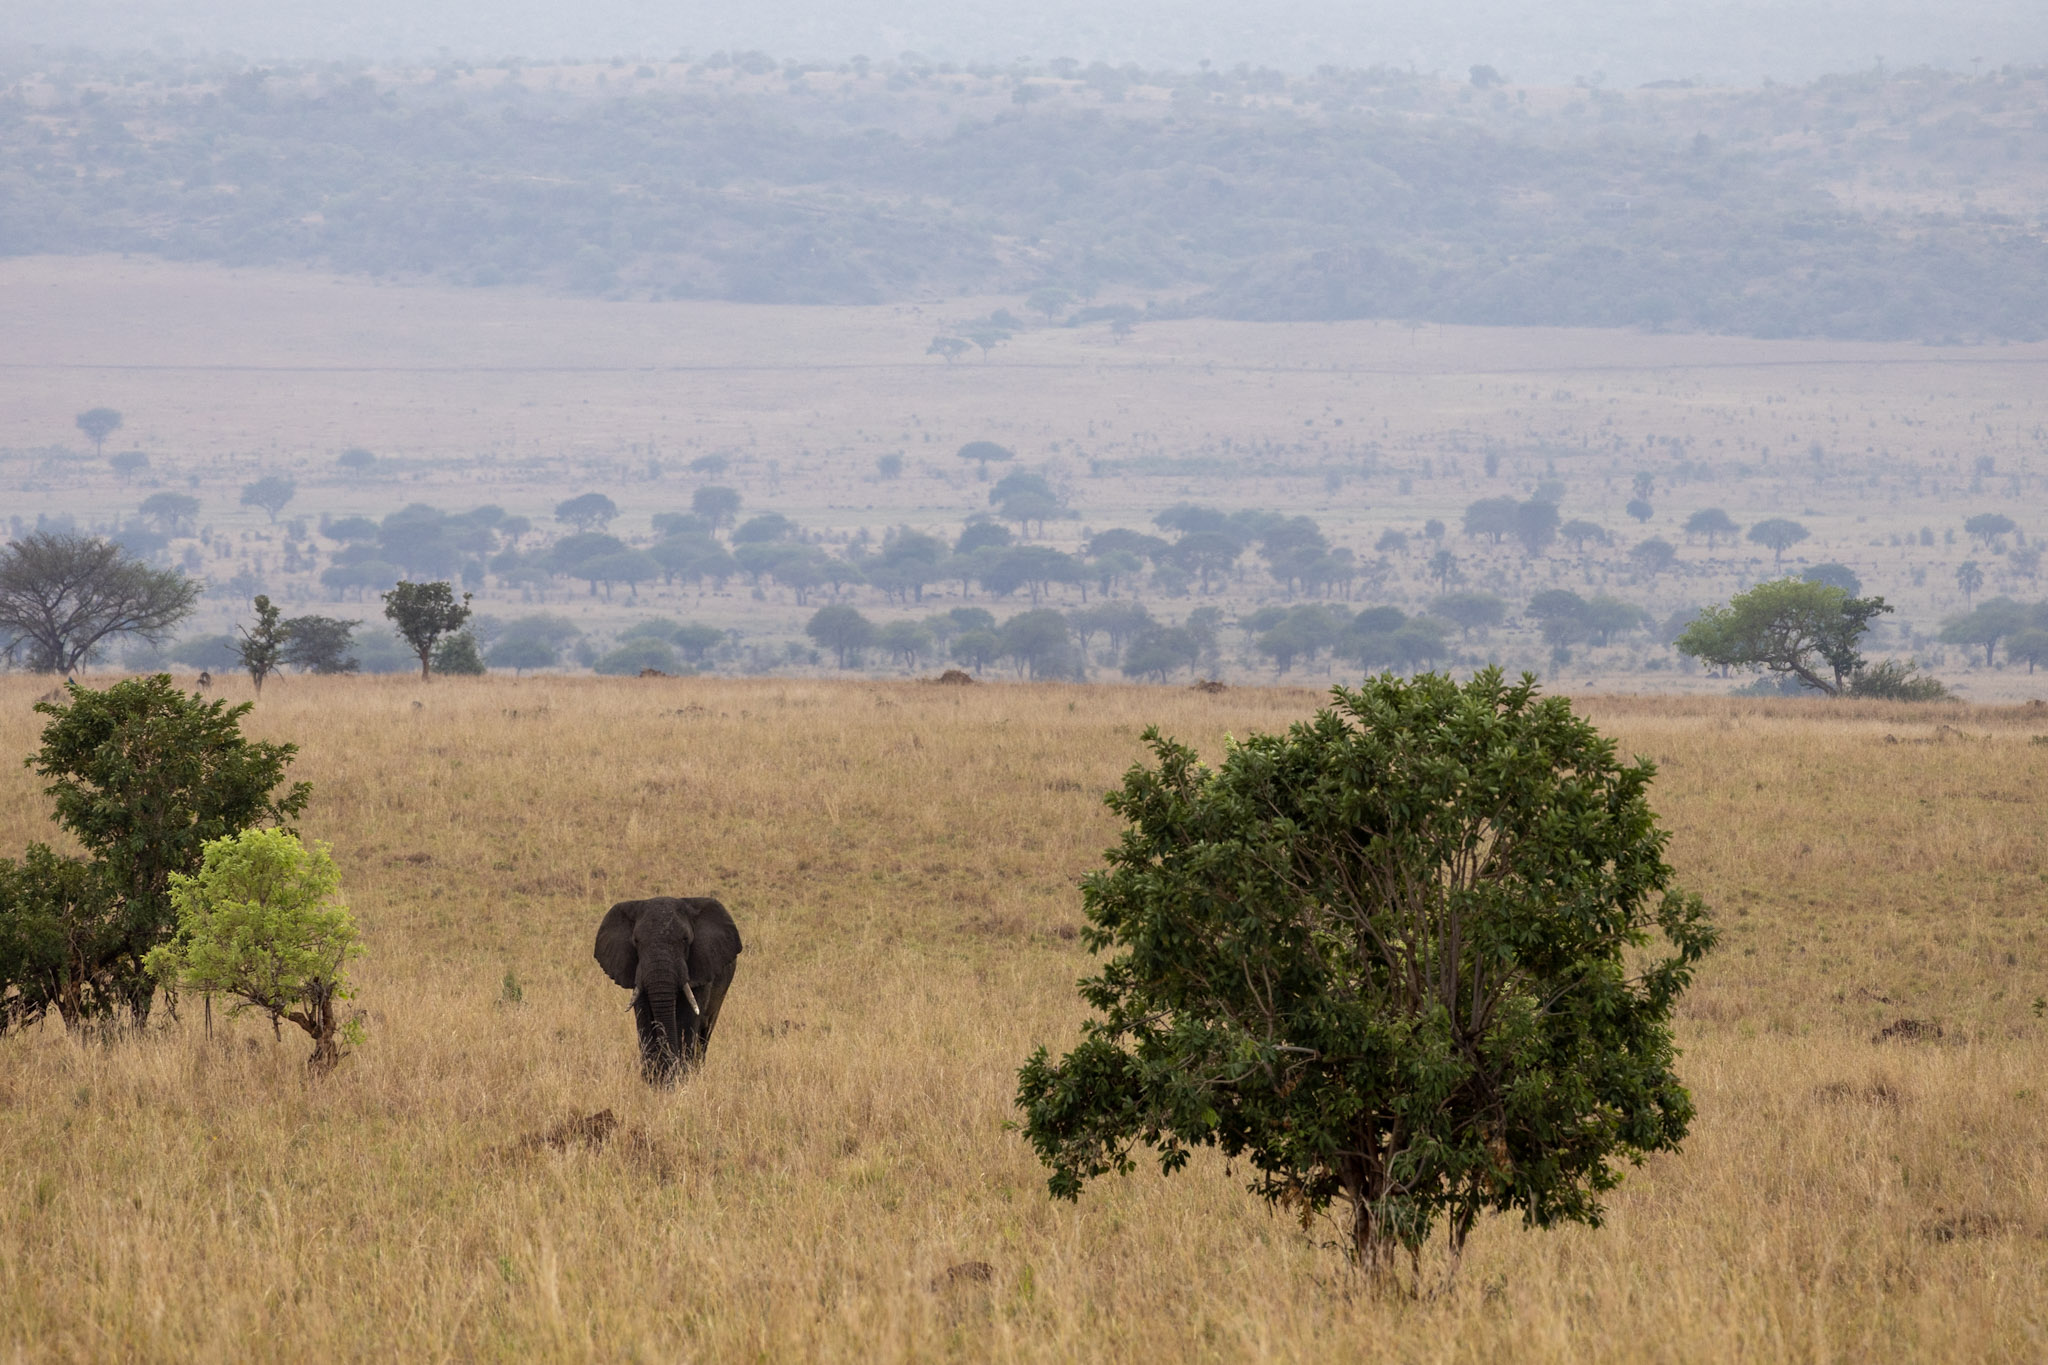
(320, 644)
(981, 452)
(98, 424)
(1778, 535)
(1987, 624)
(271, 493)
(1989, 527)
(1969, 577)
(261, 650)
(1393, 960)
(1711, 522)
(423, 613)
(63, 596)
(258, 922)
(173, 513)
(1789, 628)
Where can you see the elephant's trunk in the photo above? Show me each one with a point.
(662, 1014)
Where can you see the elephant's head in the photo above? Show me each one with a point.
(646, 946)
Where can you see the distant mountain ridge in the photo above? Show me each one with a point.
(1876, 205)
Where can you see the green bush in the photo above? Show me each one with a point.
(634, 655)
(258, 922)
(1396, 959)
(1892, 680)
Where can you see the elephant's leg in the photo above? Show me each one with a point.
(712, 997)
(653, 1064)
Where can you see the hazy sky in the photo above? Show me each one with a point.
(1543, 41)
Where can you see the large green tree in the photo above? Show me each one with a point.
(1397, 960)
(1789, 627)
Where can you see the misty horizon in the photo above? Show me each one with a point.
(1735, 42)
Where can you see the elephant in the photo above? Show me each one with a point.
(676, 954)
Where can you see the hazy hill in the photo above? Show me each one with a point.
(1877, 205)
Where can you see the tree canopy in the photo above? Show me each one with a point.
(1787, 627)
(63, 596)
(1392, 960)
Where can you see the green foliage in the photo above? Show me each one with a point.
(423, 613)
(258, 922)
(261, 650)
(63, 943)
(1397, 959)
(320, 644)
(143, 776)
(1892, 680)
(458, 656)
(1788, 627)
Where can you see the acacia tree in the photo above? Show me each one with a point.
(62, 595)
(841, 629)
(98, 424)
(1788, 627)
(258, 922)
(271, 493)
(1778, 535)
(423, 613)
(1711, 522)
(1393, 959)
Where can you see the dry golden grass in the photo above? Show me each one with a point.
(902, 859)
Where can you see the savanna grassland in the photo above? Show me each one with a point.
(902, 859)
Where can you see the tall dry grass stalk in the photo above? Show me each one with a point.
(902, 862)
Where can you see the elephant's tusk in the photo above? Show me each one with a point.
(691, 996)
(636, 998)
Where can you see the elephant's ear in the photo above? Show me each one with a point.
(616, 951)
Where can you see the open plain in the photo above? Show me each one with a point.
(838, 1182)
(519, 399)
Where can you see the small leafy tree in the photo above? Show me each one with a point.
(320, 644)
(423, 613)
(1394, 959)
(262, 650)
(143, 776)
(1969, 577)
(258, 922)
